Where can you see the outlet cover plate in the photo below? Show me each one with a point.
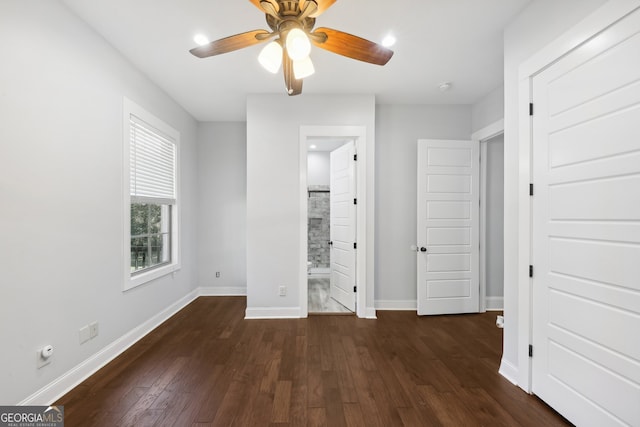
(84, 334)
(41, 361)
(93, 330)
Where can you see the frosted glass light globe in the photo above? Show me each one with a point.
(298, 44)
(271, 57)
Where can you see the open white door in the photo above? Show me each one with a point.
(586, 230)
(448, 227)
(343, 226)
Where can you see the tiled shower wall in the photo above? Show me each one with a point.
(319, 225)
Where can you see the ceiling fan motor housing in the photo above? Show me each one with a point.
(287, 18)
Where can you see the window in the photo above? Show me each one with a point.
(150, 235)
(151, 202)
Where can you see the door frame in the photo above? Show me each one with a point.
(602, 18)
(483, 136)
(364, 214)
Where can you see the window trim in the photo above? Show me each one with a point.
(132, 280)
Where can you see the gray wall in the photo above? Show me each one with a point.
(488, 110)
(398, 128)
(273, 188)
(61, 187)
(318, 166)
(222, 206)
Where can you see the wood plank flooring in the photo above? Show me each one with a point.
(207, 366)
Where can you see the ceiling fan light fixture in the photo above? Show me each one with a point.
(298, 44)
(200, 39)
(303, 68)
(389, 40)
(271, 57)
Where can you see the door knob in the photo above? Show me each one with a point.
(423, 249)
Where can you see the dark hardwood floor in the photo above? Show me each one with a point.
(208, 366)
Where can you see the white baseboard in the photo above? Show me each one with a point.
(370, 313)
(273, 313)
(508, 371)
(405, 305)
(63, 384)
(494, 303)
(223, 291)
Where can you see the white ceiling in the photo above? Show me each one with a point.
(458, 41)
(322, 144)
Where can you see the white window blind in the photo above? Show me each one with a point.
(152, 164)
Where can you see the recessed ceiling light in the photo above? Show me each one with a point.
(313, 146)
(200, 39)
(388, 41)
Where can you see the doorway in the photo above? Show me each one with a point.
(492, 223)
(330, 225)
(365, 231)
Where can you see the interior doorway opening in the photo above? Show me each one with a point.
(330, 261)
(491, 139)
(492, 223)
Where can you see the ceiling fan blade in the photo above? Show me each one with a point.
(322, 6)
(257, 4)
(352, 46)
(292, 85)
(231, 43)
(269, 8)
(307, 8)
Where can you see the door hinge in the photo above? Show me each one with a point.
(530, 350)
(531, 189)
(531, 108)
(355, 246)
(355, 157)
(355, 201)
(355, 289)
(531, 271)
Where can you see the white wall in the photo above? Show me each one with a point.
(61, 190)
(536, 26)
(495, 217)
(488, 110)
(273, 196)
(318, 168)
(222, 207)
(398, 128)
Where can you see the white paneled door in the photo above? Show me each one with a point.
(343, 225)
(448, 227)
(586, 230)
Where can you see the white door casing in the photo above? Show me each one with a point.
(448, 227)
(586, 230)
(343, 225)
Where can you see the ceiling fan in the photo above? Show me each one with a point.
(291, 23)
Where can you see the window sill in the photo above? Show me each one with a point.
(142, 278)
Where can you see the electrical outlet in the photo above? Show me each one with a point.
(43, 356)
(217, 274)
(283, 291)
(84, 334)
(93, 329)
